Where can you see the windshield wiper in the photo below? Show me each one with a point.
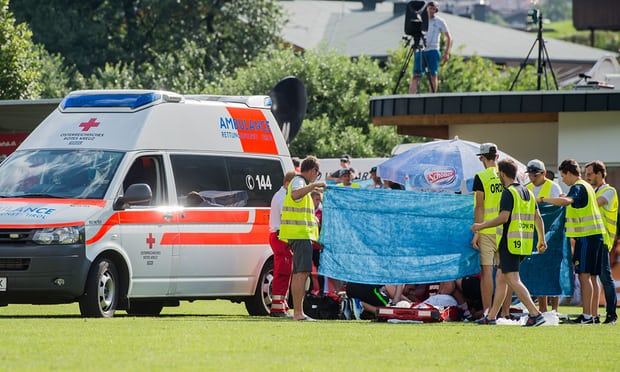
(38, 196)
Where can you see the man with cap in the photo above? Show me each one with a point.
(345, 163)
(487, 193)
(345, 179)
(542, 187)
(376, 180)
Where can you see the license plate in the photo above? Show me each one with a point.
(2, 284)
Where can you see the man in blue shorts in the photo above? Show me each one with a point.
(584, 225)
(430, 56)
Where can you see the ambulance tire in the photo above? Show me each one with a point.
(260, 303)
(102, 290)
(145, 308)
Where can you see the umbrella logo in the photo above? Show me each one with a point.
(440, 176)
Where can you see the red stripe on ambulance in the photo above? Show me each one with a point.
(254, 130)
(259, 234)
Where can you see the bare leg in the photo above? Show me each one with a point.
(501, 290)
(486, 285)
(514, 282)
(434, 81)
(542, 304)
(586, 293)
(413, 84)
(596, 294)
(298, 289)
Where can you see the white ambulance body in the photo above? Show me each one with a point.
(95, 205)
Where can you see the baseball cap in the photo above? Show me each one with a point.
(535, 166)
(373, 169)
(488, 149)
(345, 171)
(345, 157)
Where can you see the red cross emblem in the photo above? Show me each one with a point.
(89, 124)
(150, 241)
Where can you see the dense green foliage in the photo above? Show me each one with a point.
(19, 65)
(338, 91)
(137, 31)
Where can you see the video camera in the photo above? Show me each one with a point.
(416, 22)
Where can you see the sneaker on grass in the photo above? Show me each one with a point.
(534, 321)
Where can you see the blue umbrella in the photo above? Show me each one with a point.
(440, 166)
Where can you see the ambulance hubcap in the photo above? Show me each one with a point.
(106, 291)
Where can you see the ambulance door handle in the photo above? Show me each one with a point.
(167, 216)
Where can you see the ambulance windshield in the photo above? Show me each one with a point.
(73, 174)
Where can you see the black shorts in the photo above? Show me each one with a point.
(588, 254)
(368, 293)
(508, 262)
(302, 255)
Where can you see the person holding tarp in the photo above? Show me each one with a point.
(518, 217)
(584, 225)
(542, 187)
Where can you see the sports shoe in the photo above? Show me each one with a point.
(534, 321)
(610, 319)
(597, 319)
(582, 320)
(486, 321)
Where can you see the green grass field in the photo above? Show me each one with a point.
(219, 335)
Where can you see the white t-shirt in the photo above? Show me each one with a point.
(436, 26)
(608, 195)
(275, 214)
(297, 183)
(556, 190)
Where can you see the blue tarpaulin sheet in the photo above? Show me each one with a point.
(391, 237)
(550, 273)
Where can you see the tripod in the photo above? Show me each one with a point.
(418, 45)
(541, 64)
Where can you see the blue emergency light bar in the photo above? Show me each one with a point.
(129, 100)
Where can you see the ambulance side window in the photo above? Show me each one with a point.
(257, 178)
(202, 174)
(149, 170)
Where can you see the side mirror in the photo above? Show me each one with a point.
(136, 193)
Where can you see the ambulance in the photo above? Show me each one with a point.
(139, 199)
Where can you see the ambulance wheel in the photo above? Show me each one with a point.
(145, 308)
(102, 290)
(260, 303)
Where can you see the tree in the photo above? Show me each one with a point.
(91, 34)
(338, 90)
(557, 10)
(19, 64)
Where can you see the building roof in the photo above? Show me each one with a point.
(345, 27)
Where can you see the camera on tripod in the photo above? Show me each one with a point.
(416, 22)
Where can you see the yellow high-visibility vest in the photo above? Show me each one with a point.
(545, 188)
(520, 235)
(609, 213)
(492, 194)
(298, 219)
(585, 221)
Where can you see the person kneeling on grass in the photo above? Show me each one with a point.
(518, 214)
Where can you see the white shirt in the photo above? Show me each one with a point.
(275, 214)
(556, 190)
(436, 26)
(608, 195)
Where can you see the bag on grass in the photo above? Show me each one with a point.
(322, 307)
